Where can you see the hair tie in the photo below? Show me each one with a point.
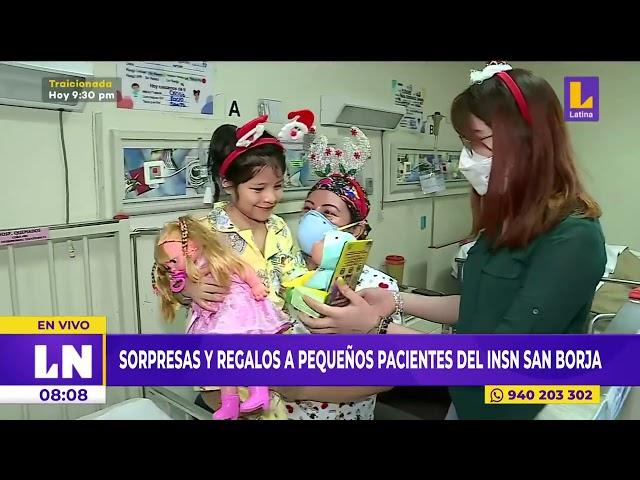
(499, 69)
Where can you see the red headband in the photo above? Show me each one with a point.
(517, 95)
(248, 136)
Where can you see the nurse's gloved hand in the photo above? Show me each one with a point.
(356, 317)
(205, 292)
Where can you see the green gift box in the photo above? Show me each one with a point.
(293, 297)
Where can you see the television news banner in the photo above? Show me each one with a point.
(72, 360)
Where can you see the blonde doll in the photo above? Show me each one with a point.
(186, 249)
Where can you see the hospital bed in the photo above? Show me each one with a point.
(158, 403)
(612, 251)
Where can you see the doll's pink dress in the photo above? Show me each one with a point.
(238, 313)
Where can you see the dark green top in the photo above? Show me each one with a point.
(546, 287)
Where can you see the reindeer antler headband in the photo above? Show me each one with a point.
(339, 166)
(348, 160)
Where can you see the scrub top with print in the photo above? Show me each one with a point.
(544, 288)
(372, 278)
(281, 258)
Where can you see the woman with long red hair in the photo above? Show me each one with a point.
(539, 252)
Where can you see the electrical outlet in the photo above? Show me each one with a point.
(154, 172)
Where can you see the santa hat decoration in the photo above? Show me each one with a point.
(248, 136)
(301, 124)
(250, 131)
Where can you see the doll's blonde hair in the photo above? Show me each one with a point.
(221, 261)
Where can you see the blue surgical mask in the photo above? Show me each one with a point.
(312, 228)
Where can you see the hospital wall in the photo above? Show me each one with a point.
(33, 192)
(607, 150)
(31, 150)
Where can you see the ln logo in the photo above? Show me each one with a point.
(70, 360)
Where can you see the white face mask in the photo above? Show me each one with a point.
(476, 168)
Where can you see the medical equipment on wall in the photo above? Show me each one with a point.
(161, 172)
(434, 181)
(436, 117)
(162, 166)
(345, 112)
